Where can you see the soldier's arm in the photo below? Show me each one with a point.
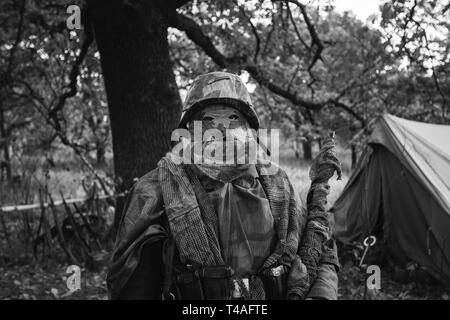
(313, 241)
(146, 280)
(313, 247)
(326, 284)
(136, 268)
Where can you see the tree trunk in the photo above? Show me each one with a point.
(354, 155)
(307, 149)
(143, 99)
(296, 150)
(100, 150)
(5, 165)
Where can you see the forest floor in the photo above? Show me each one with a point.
(35, 282)
(393, 287)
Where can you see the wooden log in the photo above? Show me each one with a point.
(24, 207)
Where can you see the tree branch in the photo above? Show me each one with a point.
(315, 40)
(194, 32)
(349, 110)
(291, 96)
(40, 20)
(17, 125)
(7, 76)
(446, 8)
(74, 73)
(297, 32)
(269, 34)
(255, 32)
(180, 3)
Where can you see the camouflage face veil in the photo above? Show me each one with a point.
(224, 133)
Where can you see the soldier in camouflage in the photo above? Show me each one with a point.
(220, 230)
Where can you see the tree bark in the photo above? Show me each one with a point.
(354, 155)
(6, 163)
(296, 150)
(100, 151)
(307, 149)
(143, 99)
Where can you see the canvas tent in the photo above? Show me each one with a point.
(400, 189)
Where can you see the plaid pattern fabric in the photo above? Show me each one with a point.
(190, 230)
(196, 241)
(245, 222)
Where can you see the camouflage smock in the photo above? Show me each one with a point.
(245, 228)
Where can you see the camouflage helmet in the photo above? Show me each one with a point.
(218, 87)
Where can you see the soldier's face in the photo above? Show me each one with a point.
(221, 117)
(228, 121)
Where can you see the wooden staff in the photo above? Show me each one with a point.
(5, 229)
(41, 219)
(88, 227)
(77, 233)
(60, 236)
(47, 231)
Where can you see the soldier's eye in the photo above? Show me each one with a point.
(233, 117)
(208, 118)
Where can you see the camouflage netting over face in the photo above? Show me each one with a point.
(218, 88)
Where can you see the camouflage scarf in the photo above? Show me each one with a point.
(246, 228)
(194, 229)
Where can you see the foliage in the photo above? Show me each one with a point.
(332, 70)
(417, 34)
(357, 75)
(50, 104)
(38, 282)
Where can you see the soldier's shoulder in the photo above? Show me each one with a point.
(150, 176)
(273, 169)
(147, 182)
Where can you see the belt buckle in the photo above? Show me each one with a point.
(237, 290)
